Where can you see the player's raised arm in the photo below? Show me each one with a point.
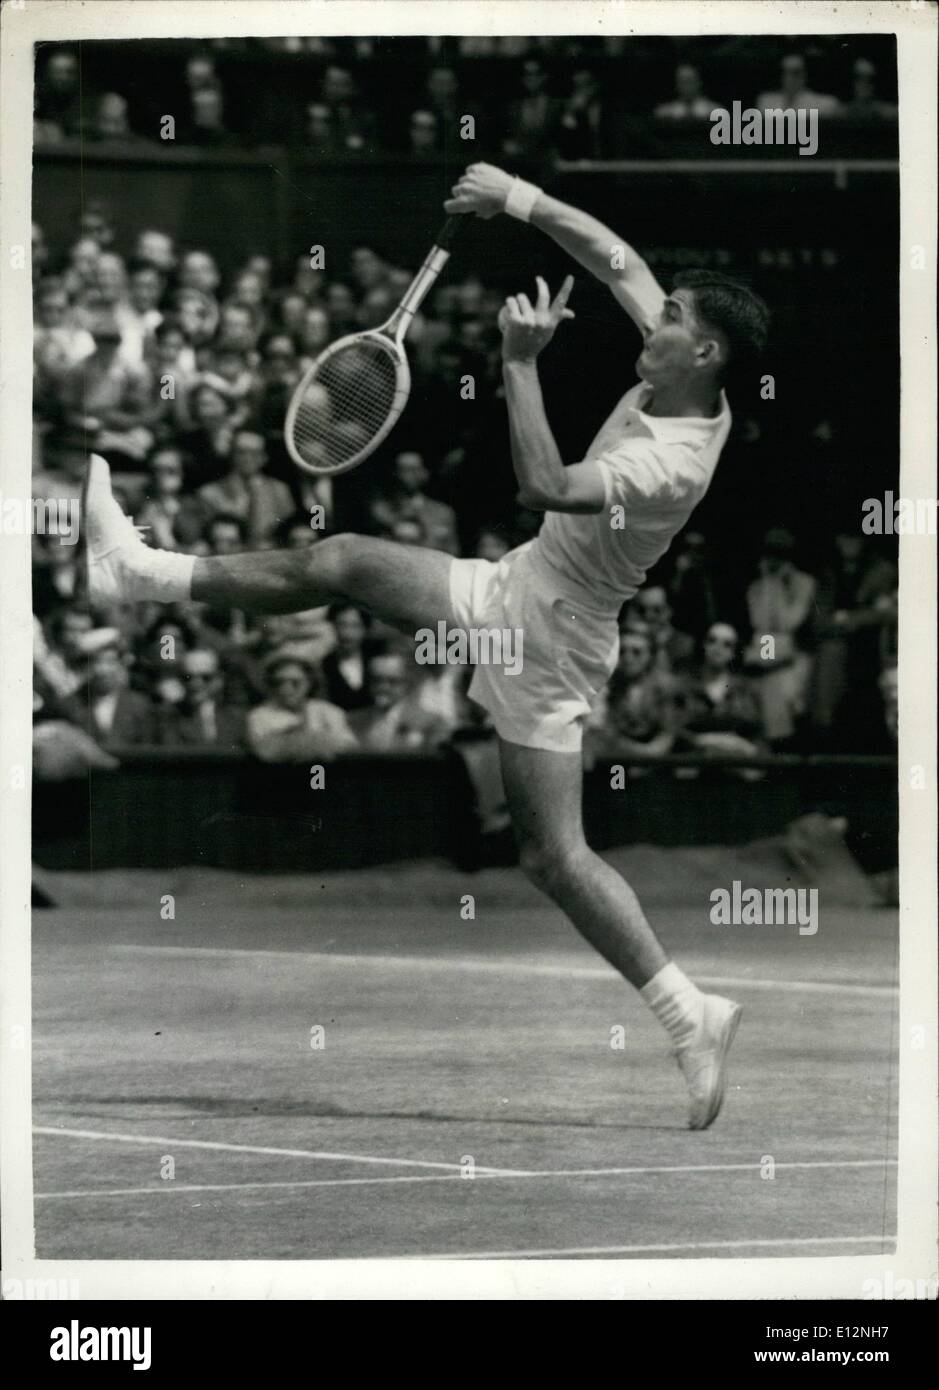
(544, 483)
(487, 191)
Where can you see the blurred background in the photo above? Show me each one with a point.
(177, 303)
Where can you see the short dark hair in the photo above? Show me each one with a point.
(732, 308)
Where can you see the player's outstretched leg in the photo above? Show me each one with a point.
(544, 792)
(406, 585)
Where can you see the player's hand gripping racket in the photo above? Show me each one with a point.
(354, 392)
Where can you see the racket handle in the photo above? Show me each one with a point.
(451, 230)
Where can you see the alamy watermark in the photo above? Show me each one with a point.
(771, 126)
(765, 907)
(40, 516)
(470, 646)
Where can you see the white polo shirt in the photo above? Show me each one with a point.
(656, 469)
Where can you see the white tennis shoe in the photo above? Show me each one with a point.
(112, 542)
(703, 1059)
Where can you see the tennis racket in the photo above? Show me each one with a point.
(349, 399)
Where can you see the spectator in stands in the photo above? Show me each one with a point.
(582, 118)
(201, 719)
(689, 102)
(853, 606)
(779, 602)
(111, 121)
(864, 104)
(175, 519)
(247, 491)
(110, 398)
(641, 712)
(146, 286)
(795, 92)
(225, 534)
(408, 502)
(58, 341)
(206, 124)
(58, 98)
(720, 713)
(394, 722)
(319, 132)
(889, 689)
(442, 90)
(352, 123)
(691, 593)
(113, 714)
(65, 462)
(533, 116)
(68, 629)
(208, 445)
(423, 133)
(156, 248)
(673, 651)
(345, 668)
(198, 271)
(238, 330)
(294, 724)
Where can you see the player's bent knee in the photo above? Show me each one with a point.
(548, 867)
(333, 560)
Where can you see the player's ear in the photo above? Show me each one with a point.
(710, 353)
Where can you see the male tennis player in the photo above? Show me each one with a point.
(608, 519)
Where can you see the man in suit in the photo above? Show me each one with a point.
(109, 711)
(201, 719)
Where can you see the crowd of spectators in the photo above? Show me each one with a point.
(573, 98)
(180, 375)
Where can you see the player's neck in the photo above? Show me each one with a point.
(677, 401)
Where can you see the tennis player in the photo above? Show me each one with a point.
(608, 518)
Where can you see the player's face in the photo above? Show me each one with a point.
(670, 349)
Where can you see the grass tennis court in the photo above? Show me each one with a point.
(450, 1047)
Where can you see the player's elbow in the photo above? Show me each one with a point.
(532, 499)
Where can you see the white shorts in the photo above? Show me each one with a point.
(568, 651)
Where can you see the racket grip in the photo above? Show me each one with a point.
(451, 229)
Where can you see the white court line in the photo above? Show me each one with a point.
(466, 965)
(329, 1157)
(484, 1173)
(655, 1249)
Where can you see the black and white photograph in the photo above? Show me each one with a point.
(469, 750)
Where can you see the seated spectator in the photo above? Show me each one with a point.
(198, 271)
(719, 709)
(156, 248)
(294, 724)
(247, 491)
(146, 286)
(582, 118)
(225, 534)
(345, 668)
(111, 121)
(423, 133)
(79, 273)
(864, 104)
(853, 607)
(112, 713)
(308, 635)
(58, 341)
(352, 123)
(689, 102)
(208, 445)
(175, 519)
(201, 719)
(394, 722)
(58, 97)
(62, 658)
(64, 464)
(691, 593)
(779, 602)
(206, 123)
(640, 713)
(110, 398)
(673, 650)
(319, 135)
(795, 92)
(409, 502)
(532, 125)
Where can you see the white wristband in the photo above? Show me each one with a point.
(521, 198)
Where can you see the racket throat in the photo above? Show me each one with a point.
(417, 291)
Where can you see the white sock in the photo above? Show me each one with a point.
(676, 1003)
(160, 575)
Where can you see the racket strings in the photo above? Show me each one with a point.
(345, 404)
